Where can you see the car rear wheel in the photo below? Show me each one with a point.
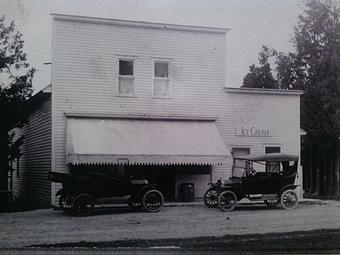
(227, 201)
(210, 198)
(83, 205)
(153, 200)
(65, 202)
(289, 199)
(271, 203)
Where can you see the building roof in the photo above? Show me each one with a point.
(36, 100)
(263, 91)
(130, 23)
(274, 157)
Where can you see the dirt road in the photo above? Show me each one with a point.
(51, 226)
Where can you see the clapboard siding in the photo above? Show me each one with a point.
(32, 186)
(278, 113)
(85, 67)
(85, 58)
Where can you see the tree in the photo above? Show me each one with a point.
(261, 76)
(15, 88)
(314, 67)
(317, 44)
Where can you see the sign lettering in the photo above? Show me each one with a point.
(252, 131)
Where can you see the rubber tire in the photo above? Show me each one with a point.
(146, 196)
(289, 199)
(207, 196)
(220, 200)
(81, 209)
(65, 202)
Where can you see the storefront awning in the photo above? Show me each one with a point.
(144, 141)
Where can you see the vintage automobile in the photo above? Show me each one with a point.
(79, 193)
(269, 178)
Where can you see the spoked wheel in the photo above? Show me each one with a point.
(271, 203)
(227, 201)
(65, 202)
(210, 198)
(83, 205)
(152, 200)
(289, 199)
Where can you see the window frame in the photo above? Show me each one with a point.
(233, 148)
(269, 166)
(168, 79)
(132, 77)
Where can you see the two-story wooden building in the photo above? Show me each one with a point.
(149, 99)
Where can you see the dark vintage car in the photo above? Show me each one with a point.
(79, 193)
(269, 178)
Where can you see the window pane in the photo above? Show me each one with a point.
(161, 69)
(125, 86)
(161, 87)
(125, 67)
(273, 149)
(272, 166)
(240, 165)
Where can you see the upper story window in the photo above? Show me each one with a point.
(126, 80)
(161, 79)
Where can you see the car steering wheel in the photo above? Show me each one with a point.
(251, 172)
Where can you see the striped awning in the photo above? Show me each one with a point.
(144, 141)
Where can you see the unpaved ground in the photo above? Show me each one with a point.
(50, 226)
(301, 241)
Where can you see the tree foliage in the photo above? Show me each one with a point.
(313, 67)
(261, 76)
(317, 42)
(15, 88)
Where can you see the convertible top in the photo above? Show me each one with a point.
(269, 157)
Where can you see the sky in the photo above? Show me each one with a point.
(252, 23)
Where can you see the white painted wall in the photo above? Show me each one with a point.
(84, 75)
(200, 182)
(279, 113)
(30, 183)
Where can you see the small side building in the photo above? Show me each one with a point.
(28, 181)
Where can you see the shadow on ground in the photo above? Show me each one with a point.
(311, 241)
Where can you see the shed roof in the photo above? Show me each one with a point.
(263, 91)
(269, 157)
(121, 22)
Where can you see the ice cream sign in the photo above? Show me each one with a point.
(252, 131)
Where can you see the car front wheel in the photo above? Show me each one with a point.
(83, 205)
(289, 199)
(227, 201)
(153, 200)
(210, 198)
(65, 202)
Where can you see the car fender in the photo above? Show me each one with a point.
(289, 186)
(60, 192)
(144, 189)
(233, 189)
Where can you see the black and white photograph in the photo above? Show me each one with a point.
(169, 126)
